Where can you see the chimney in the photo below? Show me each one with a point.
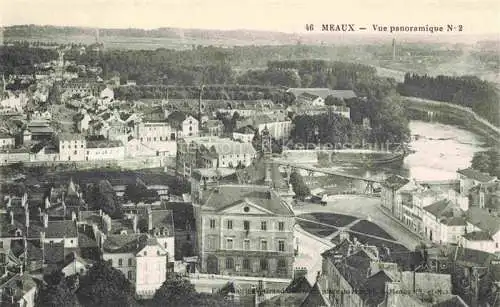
(45, 220)
(150, 219)
(27, 216)
(73, 216)
(11, 218)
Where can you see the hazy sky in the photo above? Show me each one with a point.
(476, 16)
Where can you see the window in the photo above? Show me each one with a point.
(75, 152)
(62, 146)
(281, 245)
(229, 263)
(263, 225)
(120, 262)
(263, 264)
(165, 245)
(229, 244)
(281, 226)
(130, 275)
(229, 224)
(158, 253)
(246, 225)
(246, 244)
(71, 241)
(130, 261)
(154, 139)
(246, 264)
(161, 138)
(145, 253)
(110, 261)
(263, 245)
(1, 244)
(212, 223)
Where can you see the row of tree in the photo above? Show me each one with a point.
(104, 285)
(466, 91)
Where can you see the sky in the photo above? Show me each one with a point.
(476, 16)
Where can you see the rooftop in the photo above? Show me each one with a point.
(323, 92)
(483, 220)
(475, 175)
(230, 195)
(104, 144)
(395, 182)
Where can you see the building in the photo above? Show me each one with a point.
(470, 177)
(19, 290)
(481, 220)
(189, 127)
(7, 141)
(244, 134)
(83, 121)
(279, 126)
(212, 152)
(100, 150)
(213, 127)
(151, 133)
(486, 195)
(244, 230)
(72, 147)
(312, 93)
(444, 222)
(396, 193)
(479, 240)
(311, 99)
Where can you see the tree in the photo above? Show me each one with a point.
(56, 293)
(300, 189)
(178, 291)
(105, 286)
(334, 101)
(481, 161)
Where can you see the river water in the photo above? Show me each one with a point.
(439, 151)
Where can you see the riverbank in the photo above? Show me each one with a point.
(443, 112)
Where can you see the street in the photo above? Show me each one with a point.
(366, 208)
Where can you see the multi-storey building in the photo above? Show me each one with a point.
(72, 147)
(155, 132)
(212, 152)
(104, 150)
(6, 141)
(244, 230)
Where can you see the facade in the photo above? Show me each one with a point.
(244, 230)
(470, 177)
(7, 141)
(212, 152)
(151, 133)
(396, 191)
(279, 126)
(104, 150)
(311, 99)
(189, 127)
(72, 147)
(213, 127)
(244, 134)
(444, 222)
(479, 240)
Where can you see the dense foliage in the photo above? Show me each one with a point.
(58, 292)
(467, 91)
(487, 162)
(20, 60)
(299, 187)
(105, 286)
(178, 291)
(102, 196)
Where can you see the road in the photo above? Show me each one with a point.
(367, 208)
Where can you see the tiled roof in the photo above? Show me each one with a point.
(19, 285)
(104, 144)
(315, 297)
(395, 182)
(483, 220)
(299, 285)
(70, 136)
(448, 212)
(478, 236)
(453, 301)
(60, 229)
(126, 243)
(475, 174)
(308, 96)
(285, 299)
(163, 219)
(229, 195)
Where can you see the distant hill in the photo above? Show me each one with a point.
(184, 38)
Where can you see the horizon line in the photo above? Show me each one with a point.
(304, 32)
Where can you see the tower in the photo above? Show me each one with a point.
(200, 106)
(393, 49)
(267, 151)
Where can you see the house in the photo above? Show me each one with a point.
(106, 97)
(244, 230)
(486, 195)
(19, 290)
(311, 99)
(189, 127)
(7, 141)
(479, 240)
(99, 150)
(140, 258)
(244, 134)
(481, 220)
(213, 127)
(72, 147)
(212, 152)
(322, 93)
(470, 177)
(74, 264)
(159, 136)
(278, 125)
(444, 222)
(59, 231)
(396, 193)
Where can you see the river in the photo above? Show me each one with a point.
(440, 150)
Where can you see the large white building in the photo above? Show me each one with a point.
(104, 150)
(72, 147)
